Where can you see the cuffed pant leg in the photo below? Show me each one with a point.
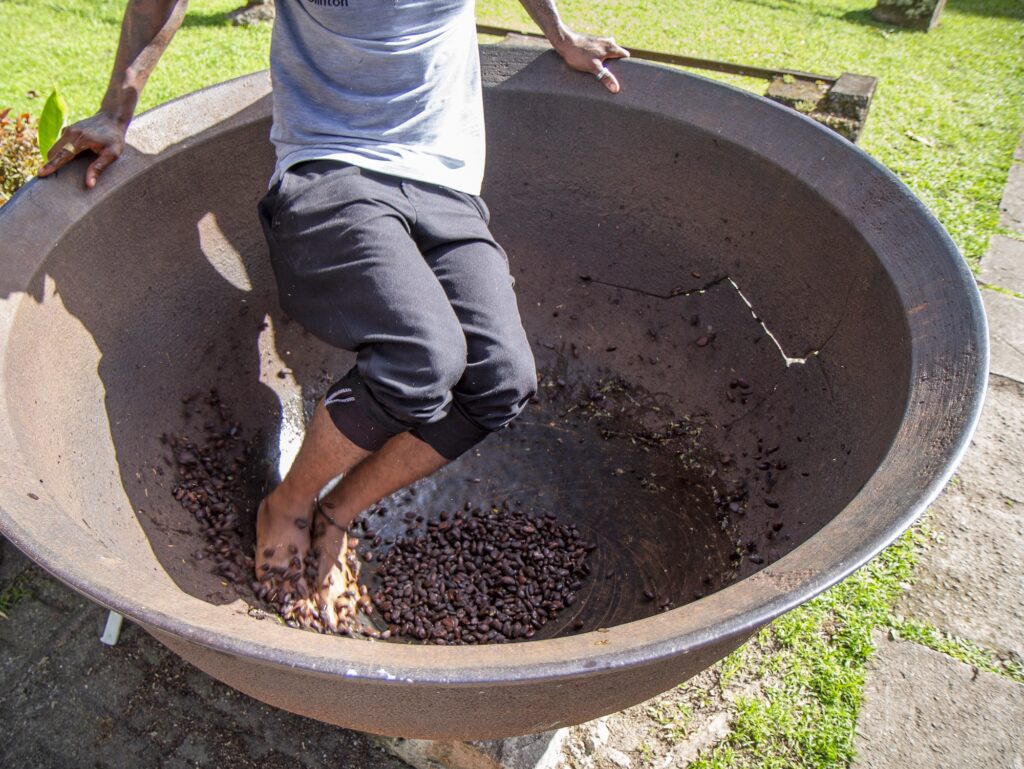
(350, 272)
(500, 374)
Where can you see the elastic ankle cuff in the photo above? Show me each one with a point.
(452, 436)
(344, 403)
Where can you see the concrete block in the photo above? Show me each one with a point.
(534, 751)
(844, 126)
(1003, 265)
(801, 95)
(914, 14)
(850, 96)
(843, 107)
(924, 710)
(967, 583)
(252, 13)
(1006, 333)
(1011, 208)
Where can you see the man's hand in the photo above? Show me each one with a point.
(581, 52)
(588, 54)
(101, 134)
(146, 30)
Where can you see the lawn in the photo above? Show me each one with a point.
(949, 111)
(960, 88)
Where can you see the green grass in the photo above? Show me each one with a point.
(811, 663)
(72, 45)
(961, 86)
(1001, 290)
(959, 648)
(810, 666)
(15, 590)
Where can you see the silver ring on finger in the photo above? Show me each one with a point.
(68, 147)
(603, 73)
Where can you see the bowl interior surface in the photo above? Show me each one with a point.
(723, 359)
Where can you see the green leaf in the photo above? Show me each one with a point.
(52, 121)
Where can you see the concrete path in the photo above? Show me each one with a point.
(67, 701)
(972, 582)
(1002, 275)
(922, 708)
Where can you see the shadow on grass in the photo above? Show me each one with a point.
(796, 6)
(863, 17)
(1008, 9)
(206, 19)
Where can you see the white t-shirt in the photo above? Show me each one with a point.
(388, 85)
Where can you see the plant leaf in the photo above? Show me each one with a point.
(52, 121)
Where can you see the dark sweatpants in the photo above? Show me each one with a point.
(408, 276)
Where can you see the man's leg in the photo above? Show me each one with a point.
(368, 478)
(348, 270)
(500, 375)
(404, 459)
(284, 520)
(499, 378)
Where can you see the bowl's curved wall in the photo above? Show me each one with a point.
(634, 224)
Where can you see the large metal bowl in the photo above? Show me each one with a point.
(679, 238)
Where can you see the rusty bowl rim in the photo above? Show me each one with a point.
(732, 612)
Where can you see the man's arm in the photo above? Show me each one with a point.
(581, 52)
(146, 31)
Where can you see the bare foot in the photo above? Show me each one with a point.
(337, 594)
(282, 545)
(316, 585)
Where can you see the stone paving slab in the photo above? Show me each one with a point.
(533, 751)
(68, 701)
(924, 710)
(1011, 209)
(972, 583)
(1006, 333)
(1003, 265)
